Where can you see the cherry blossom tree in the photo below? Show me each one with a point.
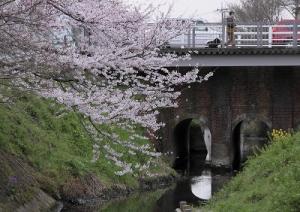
(99, 57)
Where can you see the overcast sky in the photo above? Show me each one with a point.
(203, 9)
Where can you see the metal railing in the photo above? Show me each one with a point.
(246, 36)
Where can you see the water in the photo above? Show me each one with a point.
(195, 190)
(201, 186)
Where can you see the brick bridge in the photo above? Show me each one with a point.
(234, 110)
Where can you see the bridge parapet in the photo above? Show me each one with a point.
(284, 34)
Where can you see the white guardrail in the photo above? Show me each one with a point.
(246, 36)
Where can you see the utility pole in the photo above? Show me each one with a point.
(223, 11)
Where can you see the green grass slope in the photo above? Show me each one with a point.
(269, 181)
(60, 144)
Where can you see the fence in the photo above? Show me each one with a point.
(246, 36)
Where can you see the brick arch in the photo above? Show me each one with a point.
(181, 118)
(245, 116)
(191, 137)
(171, 124)
(248, 133)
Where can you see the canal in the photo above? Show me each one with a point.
(198, 182)
(196, 190)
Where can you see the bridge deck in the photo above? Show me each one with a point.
(235, 51)
(222, 57)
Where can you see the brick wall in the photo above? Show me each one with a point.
(271, 95)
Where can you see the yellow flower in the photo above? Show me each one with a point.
(279, 134)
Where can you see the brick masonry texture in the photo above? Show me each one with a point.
(268, 94)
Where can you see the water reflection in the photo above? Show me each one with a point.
(201, 186)
(195, 190)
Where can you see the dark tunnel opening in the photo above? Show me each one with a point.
(236, 147)
(248, 137)
(190, 148)
(181, 134)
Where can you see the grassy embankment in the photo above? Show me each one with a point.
(59, 145)
(269, 181)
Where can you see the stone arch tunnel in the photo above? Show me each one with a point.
(240, 106)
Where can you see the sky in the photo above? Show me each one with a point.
(202, 9)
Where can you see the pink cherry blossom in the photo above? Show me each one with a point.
(101, 58)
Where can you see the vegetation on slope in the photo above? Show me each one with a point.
(269, 181)
(61, 145)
